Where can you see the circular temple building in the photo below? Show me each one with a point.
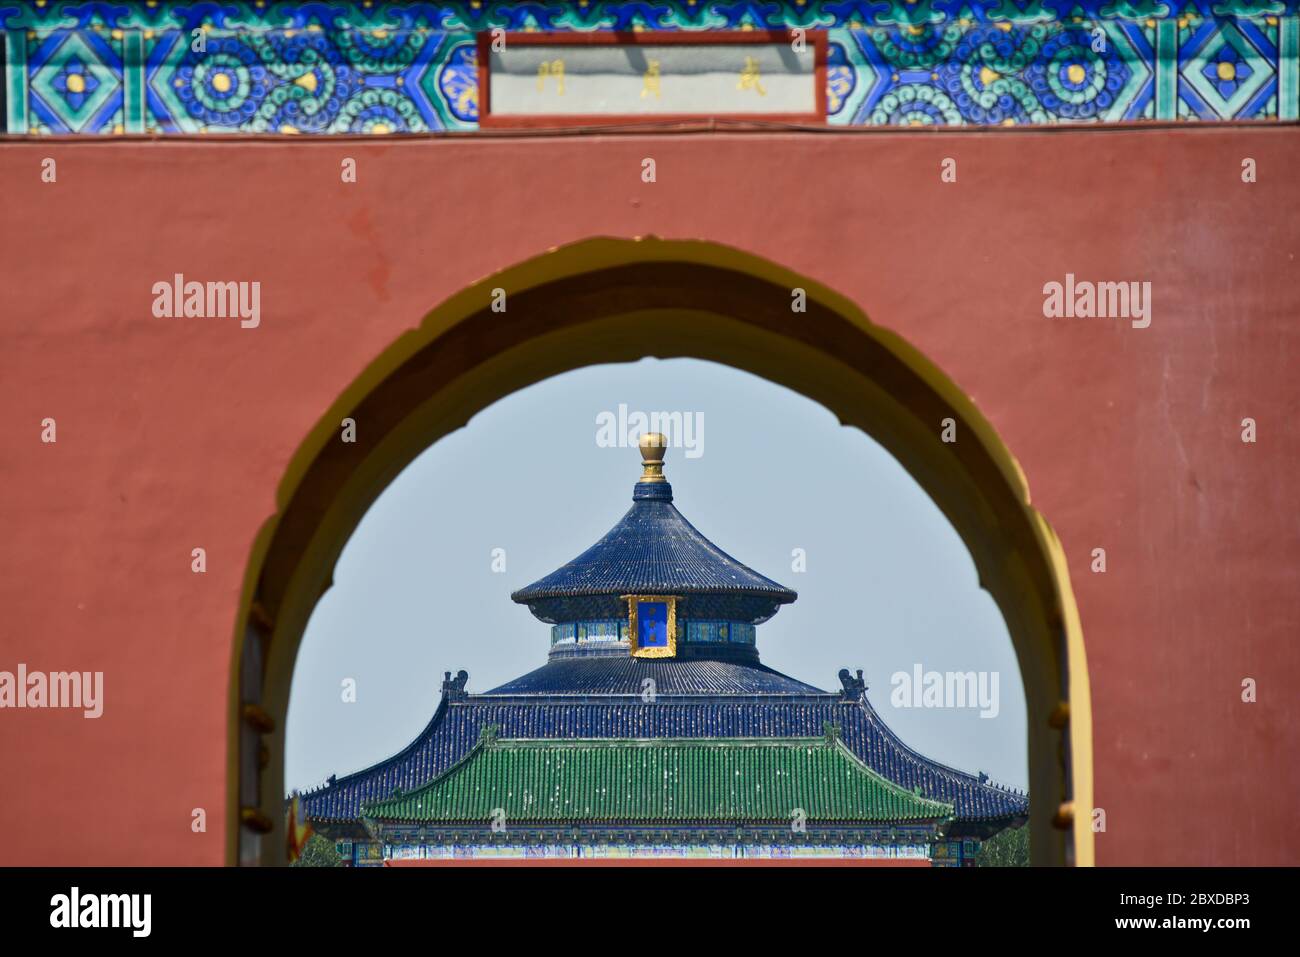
(654, 730)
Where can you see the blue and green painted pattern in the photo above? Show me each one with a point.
(689, 631)
(605, 629)
(364, 67)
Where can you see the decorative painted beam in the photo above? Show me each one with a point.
(388, 68)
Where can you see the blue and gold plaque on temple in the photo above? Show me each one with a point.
(652, 625)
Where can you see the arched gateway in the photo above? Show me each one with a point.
(618, 300)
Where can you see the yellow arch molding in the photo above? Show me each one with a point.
(609, 300)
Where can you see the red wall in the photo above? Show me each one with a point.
(173, 434)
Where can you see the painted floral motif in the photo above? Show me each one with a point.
(1230, 70)
(1004, 74)
(915, 104)
(1074, 81)
(226, 87)
(74, 81)
(841, 79)
(984, 76)
(1227, 71)
(458, 83)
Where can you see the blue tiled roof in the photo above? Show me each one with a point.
(457, 724)
(653, 550)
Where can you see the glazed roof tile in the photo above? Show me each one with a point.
(678, 780)
(458, 723)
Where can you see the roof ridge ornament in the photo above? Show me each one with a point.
(653, 445)
(852, 688)
(453, 689)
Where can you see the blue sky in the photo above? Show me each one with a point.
(888, 584)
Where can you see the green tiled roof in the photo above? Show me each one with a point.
(733, 780)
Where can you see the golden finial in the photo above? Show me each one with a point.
(653, 445)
